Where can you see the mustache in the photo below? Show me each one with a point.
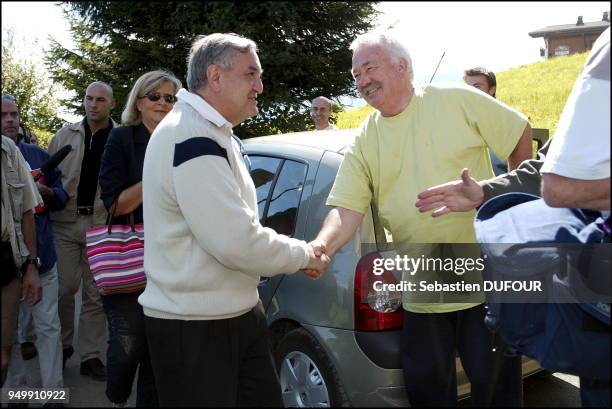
(370, 87)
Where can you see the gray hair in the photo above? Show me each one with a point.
(389, 42)
(217, 49)
(327, 100)
(147, 82)
(9, 97)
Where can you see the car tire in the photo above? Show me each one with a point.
(306, 374)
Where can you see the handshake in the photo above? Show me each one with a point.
(318, 260)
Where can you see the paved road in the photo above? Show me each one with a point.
(84, 391)
(557, 390)
(540, 390)
(546, 389)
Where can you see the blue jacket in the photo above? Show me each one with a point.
(35, 157)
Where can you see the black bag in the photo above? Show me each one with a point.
(8, 268)
(570, 336)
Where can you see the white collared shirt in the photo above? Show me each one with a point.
(203, 108)
(330, 127)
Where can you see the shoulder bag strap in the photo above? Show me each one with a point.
(111, 213)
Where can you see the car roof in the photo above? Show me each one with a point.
(333, 140)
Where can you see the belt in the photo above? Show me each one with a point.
(85, 210)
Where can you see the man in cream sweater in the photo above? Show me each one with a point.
(204, 246)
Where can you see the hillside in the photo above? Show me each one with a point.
(538, 90)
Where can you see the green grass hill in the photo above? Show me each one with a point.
(538, 90)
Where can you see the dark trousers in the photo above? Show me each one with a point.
(430, 343)
(127, 350)
(224, 362)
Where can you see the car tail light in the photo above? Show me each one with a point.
(375, 310)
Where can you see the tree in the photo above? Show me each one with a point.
(35, 95)
(303, 48)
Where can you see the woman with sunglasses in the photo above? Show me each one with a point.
(151, 98)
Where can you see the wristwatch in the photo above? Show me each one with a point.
(35, 261)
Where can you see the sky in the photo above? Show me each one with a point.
(34, 21)
(489, 34)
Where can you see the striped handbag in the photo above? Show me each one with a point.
(116, 254)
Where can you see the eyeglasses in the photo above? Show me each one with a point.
(155, 96)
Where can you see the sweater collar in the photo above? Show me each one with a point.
(203, 108)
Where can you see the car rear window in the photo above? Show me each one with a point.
(263, 172)
(279, 183)
(285, 199)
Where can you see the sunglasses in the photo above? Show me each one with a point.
(155, 96)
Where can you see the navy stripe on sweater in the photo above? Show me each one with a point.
(194, 148)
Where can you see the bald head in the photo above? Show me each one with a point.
(102, 85)
(98, 103)
(320, 111)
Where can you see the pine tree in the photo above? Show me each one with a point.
(303, 49)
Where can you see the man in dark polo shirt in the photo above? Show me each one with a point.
(80, 179)
(485, 80)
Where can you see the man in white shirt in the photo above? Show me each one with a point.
(205, 249)
(576, 172)
(320, 111)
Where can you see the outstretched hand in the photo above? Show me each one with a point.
(456, 196)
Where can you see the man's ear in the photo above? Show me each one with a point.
(213, 77)
(402, 64)
(492, 90)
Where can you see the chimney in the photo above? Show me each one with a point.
(605, 16)
(579, 22)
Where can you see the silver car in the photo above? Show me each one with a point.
(335, 341)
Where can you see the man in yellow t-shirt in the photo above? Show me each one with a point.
(418, 138)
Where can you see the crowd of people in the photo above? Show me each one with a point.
(197, 333)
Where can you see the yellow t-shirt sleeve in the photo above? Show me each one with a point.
(352, 187)
(499, 125)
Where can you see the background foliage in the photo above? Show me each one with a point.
(540, 90)
(35, 94)
(303, 48)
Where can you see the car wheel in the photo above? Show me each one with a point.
(307, 376)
